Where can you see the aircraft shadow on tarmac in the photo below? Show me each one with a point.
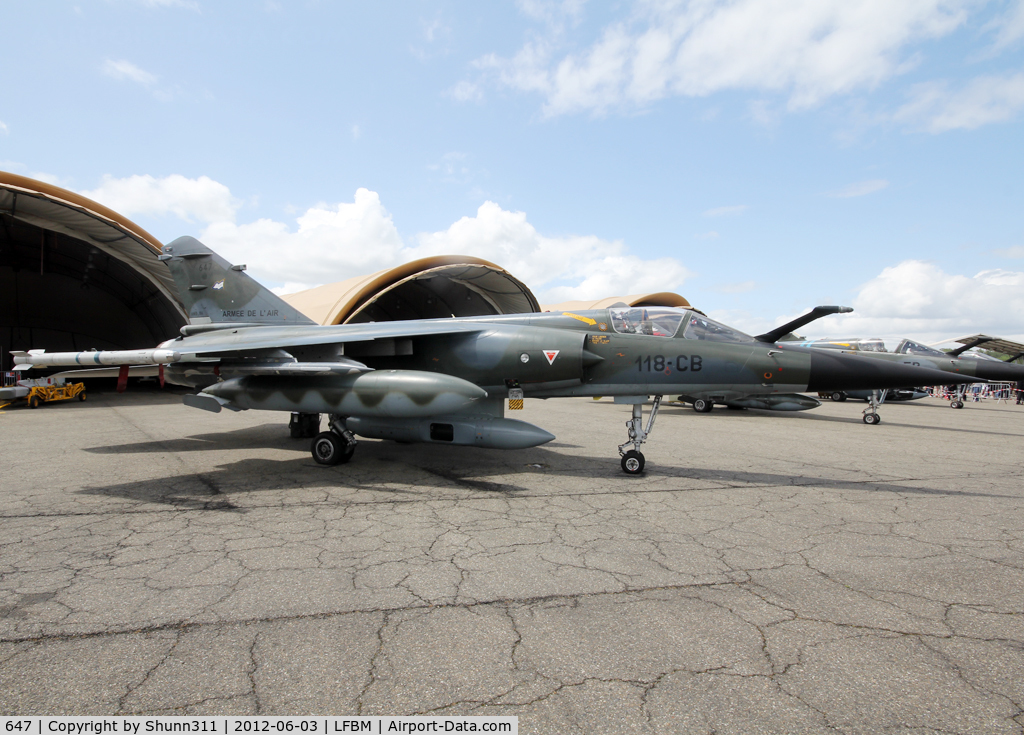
(384, 471)
(264, 436)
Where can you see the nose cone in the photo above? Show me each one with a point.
(831, 370)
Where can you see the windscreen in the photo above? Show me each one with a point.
(700, 327)
(908, 347)
(653, 321)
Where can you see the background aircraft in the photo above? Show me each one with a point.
(445, 380)
(910, 352)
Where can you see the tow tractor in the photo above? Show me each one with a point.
(41, 390)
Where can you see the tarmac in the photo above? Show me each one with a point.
(769, 572)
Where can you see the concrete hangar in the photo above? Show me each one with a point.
(75, 275)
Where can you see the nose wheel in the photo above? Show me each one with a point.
(871, 417)
(633, 462)
(633, 459)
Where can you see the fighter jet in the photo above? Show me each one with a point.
(445, 381)
(916, 354)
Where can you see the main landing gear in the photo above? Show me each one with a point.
(633, 460)
(335, 446)
(304, 425)
(871, 416)
(703, 405)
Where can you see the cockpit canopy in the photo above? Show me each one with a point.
(700, 327)
(665, 322)
(654, 321)
(909, 347)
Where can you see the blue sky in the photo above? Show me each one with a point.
(757, 156)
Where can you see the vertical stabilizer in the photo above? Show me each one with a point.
(214, 291)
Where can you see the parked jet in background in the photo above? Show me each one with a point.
(445, 380)
(916, 354)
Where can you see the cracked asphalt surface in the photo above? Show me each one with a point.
(797, 573)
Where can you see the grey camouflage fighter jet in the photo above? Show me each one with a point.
(445, 381)
(916, 354)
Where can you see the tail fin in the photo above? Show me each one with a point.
(214, 291)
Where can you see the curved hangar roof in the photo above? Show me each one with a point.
(661, 298)
(75, 275)
(429, 288)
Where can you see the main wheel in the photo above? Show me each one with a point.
(632, 462)
(330, 449)
(956, 404)
(872, 419)
(838, 396)
(703, 405)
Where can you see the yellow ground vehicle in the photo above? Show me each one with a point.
(45, 393)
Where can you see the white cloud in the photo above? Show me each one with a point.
(1010, 27)
(556, 268)
(1016, 251)
(707, 235)
(724, 211)
(466, 92)
(201, 199)
(808, 50)
(356, 132)
(16, 167)
(3, 127)
(126, 70)
(986, 99)
(332, 242)
(919, 299)
(860, 189)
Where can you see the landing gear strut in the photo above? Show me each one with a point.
(958, 399)
(335, 446)
(304, 425)
(633, 460)
(871, 416)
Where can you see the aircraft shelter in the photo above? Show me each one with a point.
(75, 275)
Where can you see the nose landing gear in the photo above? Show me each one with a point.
(633, 460)
(871, 416)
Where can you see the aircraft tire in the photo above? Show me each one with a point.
(956, 404)
(632, 462)
(702, 405)
(838, 396)
(330, 449)
(872, 418)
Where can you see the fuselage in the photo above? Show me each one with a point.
(605, 352)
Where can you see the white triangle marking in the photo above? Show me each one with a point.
(551, 355)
